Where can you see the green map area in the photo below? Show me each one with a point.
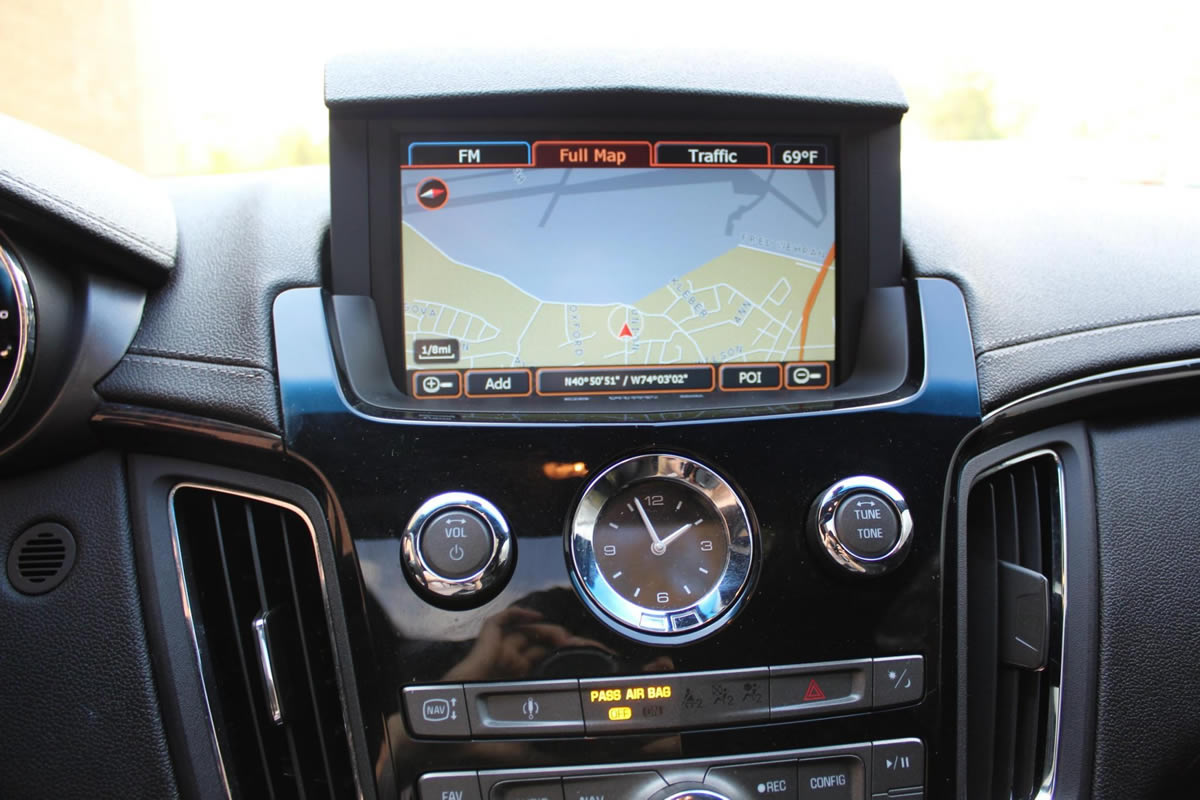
(746, 305)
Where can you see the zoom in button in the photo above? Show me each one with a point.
(436, 384)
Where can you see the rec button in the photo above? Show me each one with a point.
(499, 383)
(751, 377)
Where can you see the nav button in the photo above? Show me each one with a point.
(436, 384)
(750, 377)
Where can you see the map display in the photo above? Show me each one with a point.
(510, 267)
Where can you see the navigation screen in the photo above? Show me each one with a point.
(559, 268)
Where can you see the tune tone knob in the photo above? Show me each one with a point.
(457, 549)
(862, 524)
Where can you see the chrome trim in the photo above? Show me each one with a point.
(620, 612)
(338, 657)
(823, 531)
(1058, 590)
(493, 572)
(27, 315)
(262, 641)
(1096, 384)
(697, 794)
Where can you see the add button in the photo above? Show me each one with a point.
(499, 383)
(751, 377)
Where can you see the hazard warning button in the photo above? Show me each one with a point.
(816, 690)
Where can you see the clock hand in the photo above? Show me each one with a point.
(646, 520)
(676, 534)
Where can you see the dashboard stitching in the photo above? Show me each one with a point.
(113, 227)
(1063, 333)
(177, 355)
(1089, 332)
(219, 368)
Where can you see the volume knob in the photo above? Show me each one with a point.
(457, 549)
(862, 524)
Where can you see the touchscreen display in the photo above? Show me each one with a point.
(558, 268)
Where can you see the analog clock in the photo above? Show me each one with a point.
(661, 545)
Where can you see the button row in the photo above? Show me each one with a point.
(489, 383)
(891, 769)
(679, 701)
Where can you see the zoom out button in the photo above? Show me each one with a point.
(436, 384)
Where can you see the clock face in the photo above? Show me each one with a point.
(662, 545)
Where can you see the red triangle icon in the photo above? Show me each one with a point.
(814, 691)
(625, 332)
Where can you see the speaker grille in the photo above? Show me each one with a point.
(41, 558)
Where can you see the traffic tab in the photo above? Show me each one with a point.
(711, 154)
(591, 154)
(468, 154)
(802, 155)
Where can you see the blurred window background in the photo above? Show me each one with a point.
(1086, 90)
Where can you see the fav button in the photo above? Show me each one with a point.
(456, 543)
(428, 384)
(437, 711)
(535, 708)
(444, 785)
(751, 377)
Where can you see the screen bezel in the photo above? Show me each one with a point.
(366, 261)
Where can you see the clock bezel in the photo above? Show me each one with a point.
(700, 619)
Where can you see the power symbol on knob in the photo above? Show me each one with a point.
(456, 553)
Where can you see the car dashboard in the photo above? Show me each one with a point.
(596, 425)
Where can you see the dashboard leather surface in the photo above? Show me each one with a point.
(78, 713)
(107, 209)
(1062, 279)
(1148, 723)
(411, 75)
(205, 344)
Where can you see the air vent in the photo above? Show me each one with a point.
(255, 592)
(1014, 597)
(40, 558)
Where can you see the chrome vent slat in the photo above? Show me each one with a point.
(248, 561)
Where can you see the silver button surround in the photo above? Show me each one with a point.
(26, 325)
(677, 626)
(490, 576)
(823, 530)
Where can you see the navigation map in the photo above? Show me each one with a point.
(546, 267)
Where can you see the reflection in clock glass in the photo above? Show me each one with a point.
(661, 544)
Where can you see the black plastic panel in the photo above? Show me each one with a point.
(79, 714)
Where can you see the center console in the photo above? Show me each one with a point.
(635, 437)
